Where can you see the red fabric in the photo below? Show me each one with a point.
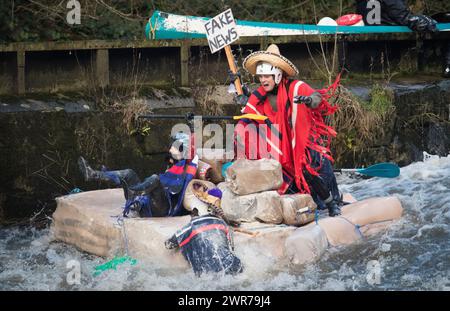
(349, 19)
(309, 129)
(203, 229)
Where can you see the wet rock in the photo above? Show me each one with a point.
(438, 139)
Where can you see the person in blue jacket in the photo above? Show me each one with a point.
(158, 195)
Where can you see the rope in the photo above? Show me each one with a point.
(75, 190)
(153, 29)
(113, 263)
(357, 227)
(121, 224)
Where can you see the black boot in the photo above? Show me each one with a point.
(87, 171)
(128, 193)
(133, 206)
(333, 209)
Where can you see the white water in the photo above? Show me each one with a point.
(414, 254)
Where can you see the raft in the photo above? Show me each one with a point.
(91, 222)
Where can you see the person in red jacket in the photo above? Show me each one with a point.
(295, 132)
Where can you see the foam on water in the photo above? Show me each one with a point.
(414, 253)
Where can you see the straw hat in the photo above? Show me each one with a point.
(272, 56)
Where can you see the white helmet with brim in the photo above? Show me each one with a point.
(264, 68)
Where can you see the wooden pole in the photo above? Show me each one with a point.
(20, 72)
(253, 234)
(233, 69)
(184, 56)
(102, 67)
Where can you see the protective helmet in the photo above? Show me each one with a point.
(327, 21)
(264, 68)
(179, 148)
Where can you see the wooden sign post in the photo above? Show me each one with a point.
(221, 32)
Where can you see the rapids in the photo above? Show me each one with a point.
(413, 254)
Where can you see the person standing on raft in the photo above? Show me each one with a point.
(296, 133)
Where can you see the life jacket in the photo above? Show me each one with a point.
(175, 181)
(206, 243)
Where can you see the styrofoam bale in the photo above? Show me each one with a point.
(237, 208)
(306, 244)
(190, 201)
(298, 209)
(373, 210)
(339, 231)
(269, 207)
(84, 220)
(372, 229)
(253, 176)
(266, 250)
(264, 206)
(347, 197)
(146, 237)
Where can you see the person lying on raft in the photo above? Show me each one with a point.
(159, 195)
(206, 242)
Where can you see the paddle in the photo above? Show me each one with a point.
(191, 116)
(388, 170)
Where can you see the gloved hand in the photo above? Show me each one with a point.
(246, 90)
(307, 100)
(241, 99)
(422, 23)
(171, 243)
(233, 76)
(311, 101)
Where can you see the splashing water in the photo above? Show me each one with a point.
(413, 254)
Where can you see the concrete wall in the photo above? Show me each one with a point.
(150, 66)
(77, 65)
(55, 71)
(7, 72)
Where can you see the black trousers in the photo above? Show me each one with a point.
(151, 186)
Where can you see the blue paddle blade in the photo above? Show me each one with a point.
(388, 170)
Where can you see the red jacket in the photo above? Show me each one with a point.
(296, 129)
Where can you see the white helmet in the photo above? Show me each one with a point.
(268, 69)
(327, 21)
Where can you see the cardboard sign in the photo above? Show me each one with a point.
(221, 31)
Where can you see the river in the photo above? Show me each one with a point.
(413, 254)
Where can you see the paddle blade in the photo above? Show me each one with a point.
(388, 170)
(250, 116)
